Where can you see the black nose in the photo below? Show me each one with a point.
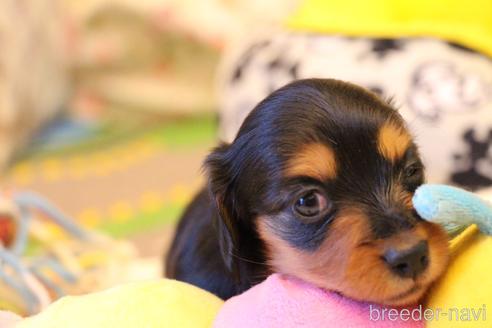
(409, 262)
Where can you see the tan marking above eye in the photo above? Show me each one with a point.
(393, 141)
(315, 160)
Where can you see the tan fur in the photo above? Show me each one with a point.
(403, 196)
(393, 141)
(347, 263)
(314, 160)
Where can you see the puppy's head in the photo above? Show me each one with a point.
(318, 184)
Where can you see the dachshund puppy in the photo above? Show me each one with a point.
(317, 184)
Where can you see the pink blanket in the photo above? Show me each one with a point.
(286, 302)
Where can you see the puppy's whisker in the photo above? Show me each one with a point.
(260, 276)
(368, 243)
(247, 260)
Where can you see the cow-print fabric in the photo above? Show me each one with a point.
(443, 90)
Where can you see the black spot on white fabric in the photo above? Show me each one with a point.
(382, 47)
(476, 150)
(460, 47)
(283, 66)
(246, 58)
(275, 64)
(293, 71)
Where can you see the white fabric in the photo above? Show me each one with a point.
(443, 91)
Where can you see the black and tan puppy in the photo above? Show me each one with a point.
(317, 184)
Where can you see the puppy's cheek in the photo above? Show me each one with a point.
(407, 199)
(438, 242)
(369, 279)
(286, 259)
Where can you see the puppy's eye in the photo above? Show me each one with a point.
(310, 204)
(412, 171)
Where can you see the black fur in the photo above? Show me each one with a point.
(217, 246)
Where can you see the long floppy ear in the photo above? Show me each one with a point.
(221, 183)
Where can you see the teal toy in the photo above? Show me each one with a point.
(453, 208)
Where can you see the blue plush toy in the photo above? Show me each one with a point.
(453, 208)
(466, 283)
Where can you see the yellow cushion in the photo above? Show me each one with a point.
(465, 22)
(161, 303)
(466, 285)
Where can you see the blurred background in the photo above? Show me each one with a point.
(108, 107)
(107, 110)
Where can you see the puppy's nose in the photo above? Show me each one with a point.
(410, 262)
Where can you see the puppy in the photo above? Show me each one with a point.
(317, 184)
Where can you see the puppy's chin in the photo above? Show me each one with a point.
(398, 296)
(408, 297)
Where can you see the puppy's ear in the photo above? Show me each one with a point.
(221, 183)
